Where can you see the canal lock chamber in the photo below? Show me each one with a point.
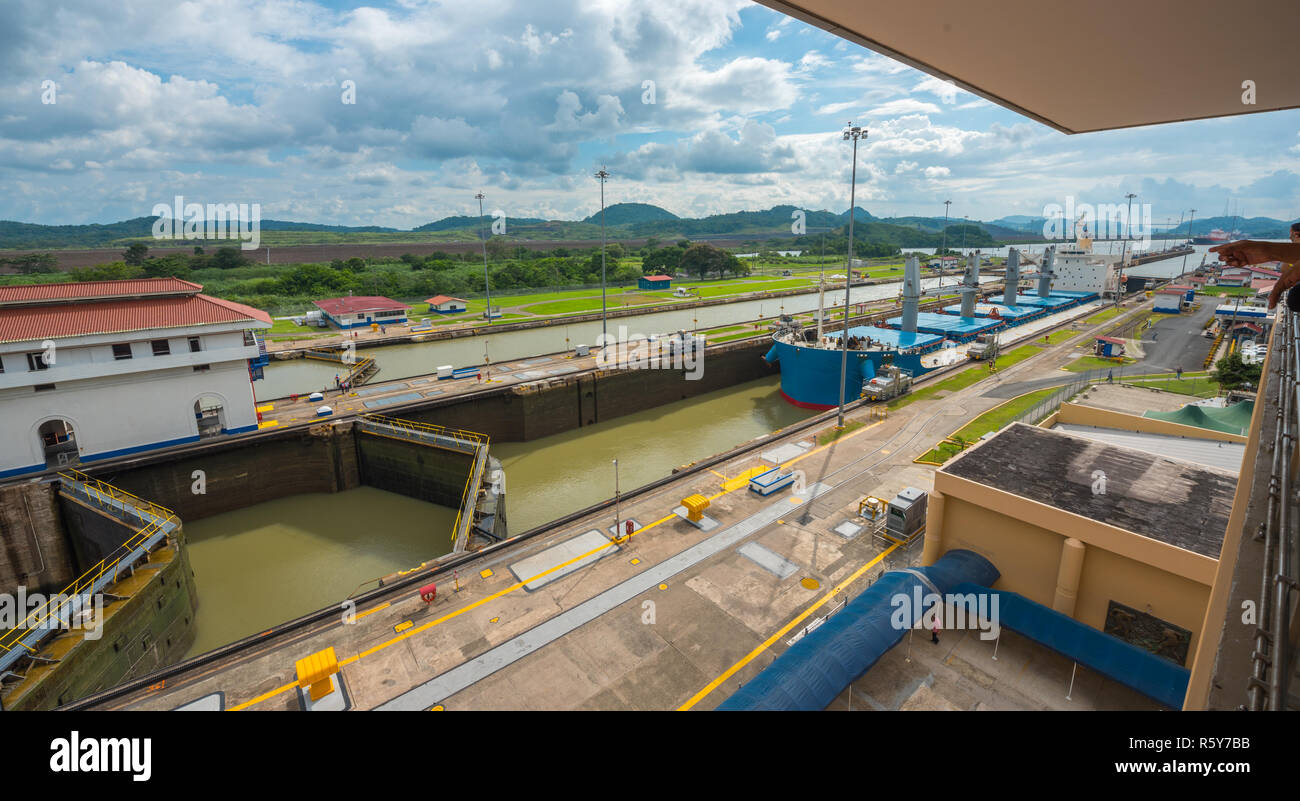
(382, 492)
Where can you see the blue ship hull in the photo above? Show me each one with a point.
(810, 377)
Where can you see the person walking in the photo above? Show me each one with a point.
(1179, 372)
(1110, 376)
(934, 631)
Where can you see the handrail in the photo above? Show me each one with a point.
(427, 428)
(102, 489)
(96, 491)
(1272, 658)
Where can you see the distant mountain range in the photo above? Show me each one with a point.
(622, 221)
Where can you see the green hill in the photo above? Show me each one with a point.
(631, 214)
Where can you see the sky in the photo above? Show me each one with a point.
(698, 106)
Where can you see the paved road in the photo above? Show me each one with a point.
(1167, 345)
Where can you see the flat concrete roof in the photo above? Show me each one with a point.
(1175, 502)
(1206, 452)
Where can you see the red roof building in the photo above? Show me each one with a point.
(96, 370)
(35, 312)
(359, 304)
(363, 310)
(27, 294)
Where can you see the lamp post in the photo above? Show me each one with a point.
(1128, 228)
(1190, 220)
(604, 327)
(617, 532)
(946, 204)
(851, 133)
(486, 284)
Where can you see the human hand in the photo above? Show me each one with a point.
(1250, 251)
(1289, 279)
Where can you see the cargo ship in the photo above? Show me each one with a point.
(1216, 237)
(911, 344)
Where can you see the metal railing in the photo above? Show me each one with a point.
(428, 432)
(104, 495)
(157, 522)
(358, 371)
(1272, 660)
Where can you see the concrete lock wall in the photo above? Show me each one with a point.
(149, 629)
(415, 470)
(523, 413)
(223, 477)
(34, 551)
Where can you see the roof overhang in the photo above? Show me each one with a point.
(1081, 67)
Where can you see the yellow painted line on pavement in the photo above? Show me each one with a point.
(266, 407)
(379, 608)
(742, 480)
(713, 685)
(507, 590)
(268, 424)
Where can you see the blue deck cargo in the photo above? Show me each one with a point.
(894, 338)
(1011, 315)
(958, 329)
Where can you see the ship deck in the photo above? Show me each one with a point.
(956, 328)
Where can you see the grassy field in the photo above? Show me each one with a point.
(1200, 387)
(1086, 363)
(1227, 291)
(1058, 337)
(834, 434)
(956, 382)
(1101, 317)
(1017, 355)
(712, 340)
(992, 420)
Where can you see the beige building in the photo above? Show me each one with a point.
(1123, 540)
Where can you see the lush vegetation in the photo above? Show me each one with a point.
(992, 420)
(1232, 373)
(1101, 317)
(835, 433)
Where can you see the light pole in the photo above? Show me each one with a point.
(946, 204)
(604, 328)
(853, 133)
(965, 218)
(1190, 220)
(617, 532)
(486, 284)
(1128, 227)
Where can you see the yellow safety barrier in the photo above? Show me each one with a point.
(98, 492)
(427, 428)
(695, 506)
(316, 672)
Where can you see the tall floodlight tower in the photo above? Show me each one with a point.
(483, 235)
(604, 321)
(851, 133)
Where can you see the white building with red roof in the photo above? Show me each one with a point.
(446, 304)
(362, 310)
(100, 369)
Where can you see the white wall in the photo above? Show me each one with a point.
(116, 405)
